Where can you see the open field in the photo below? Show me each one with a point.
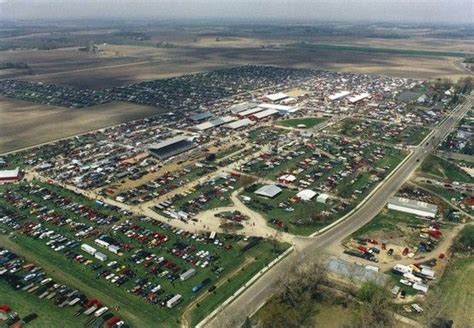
(453, 296)
(444, 169)
(24, 124)
(120, 64)
(308, 122)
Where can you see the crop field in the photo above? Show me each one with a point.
(308, 122)
(24, 124)
(388, 133)
(152, 254)
(397, 51)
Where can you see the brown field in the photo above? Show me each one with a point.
(119, 65)
(23, 124)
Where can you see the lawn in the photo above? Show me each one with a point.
(382, 132)
(309, 122)
(295, 221)
(49, 315)
(387, 221)
(444, 169)
(453, 296)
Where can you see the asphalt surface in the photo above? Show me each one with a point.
(309, 249)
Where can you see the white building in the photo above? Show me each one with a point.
(412, 206)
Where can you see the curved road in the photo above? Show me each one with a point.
(309, 249)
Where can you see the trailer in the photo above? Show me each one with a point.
(101, 311)
(88, 249)
(188, 274)
(91, 310)
(175, 300)
(74, 301)
(100, 256)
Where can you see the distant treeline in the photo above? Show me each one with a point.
(15, 65)
(397, 51)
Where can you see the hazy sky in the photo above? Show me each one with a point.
(452, 11)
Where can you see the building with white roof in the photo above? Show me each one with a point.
(306, 195)
(264, 114)
(339, 95)
(214, 123)
(269, 191)
(234, 109)
(250, 111)
(412, 206)
(238, 124)
(358, 98)
(276, 96)
(282, 109)
(10, 175)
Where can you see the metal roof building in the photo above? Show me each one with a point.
(282, 109)
(9, 175)
(171, 147)
(234, 109)
(201, 116)
(238, 124)
(412, 206)
(269, 191)
(265, 113)
(214, 123)
(276, 96)
(250, 111)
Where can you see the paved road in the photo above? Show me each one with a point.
(309, 249)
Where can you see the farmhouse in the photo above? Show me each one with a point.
(412, 206)
(171, 147)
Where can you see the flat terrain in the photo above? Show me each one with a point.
(24, 124)
(121, 64)
(453, 297)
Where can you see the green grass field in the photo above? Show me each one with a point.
(444, 169)
(387, 221)
(453, 296)
(309, 122)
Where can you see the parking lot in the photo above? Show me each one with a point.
(138, 263)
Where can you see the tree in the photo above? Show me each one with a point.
(465, 240)
(373, 309)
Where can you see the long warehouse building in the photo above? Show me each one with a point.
(171, 147)
(412, 206)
